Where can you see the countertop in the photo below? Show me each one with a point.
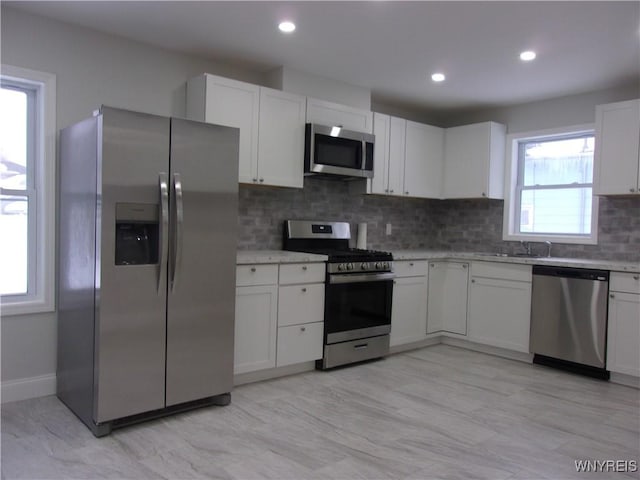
(613, 265)
(244, 257)
(281, 256)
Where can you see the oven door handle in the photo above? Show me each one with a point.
(360, 277)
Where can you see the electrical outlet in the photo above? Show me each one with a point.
(388, 231)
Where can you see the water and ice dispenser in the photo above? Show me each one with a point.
(137, 231)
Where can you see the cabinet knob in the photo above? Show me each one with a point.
(255, 180)
(303, 329)
(473, 280)
(386, 190)
(406, 193)
(433, 265)
(391, 191)
(253, 269)
(464, 265)
(632, 189)
(612, 295)
(261, 180)
(484, 194)
(304, 267)
(411, 264)
(636, 277)
(304, 290)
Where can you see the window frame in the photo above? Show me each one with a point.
(40, 192)
(513, 191)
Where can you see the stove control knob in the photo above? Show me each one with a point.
(386, 265)
(341, 267)
(364, 266)
(350, 266)
(378, 265)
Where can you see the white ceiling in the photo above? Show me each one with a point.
(392, 47)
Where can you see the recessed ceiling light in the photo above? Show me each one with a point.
(287, 27)
(438, 77)
(527, 56)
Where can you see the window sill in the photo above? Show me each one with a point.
(593, 240)
(26, 307)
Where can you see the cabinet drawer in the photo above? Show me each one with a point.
(302, 273)
(501, 271)
(247, 275)
(299, 343)
(624, 282)
(299, 304)
(410, 268)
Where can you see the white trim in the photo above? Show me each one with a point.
(510, 181)
(32, 387)
(43, 299)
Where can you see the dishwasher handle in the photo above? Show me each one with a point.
(571, 272)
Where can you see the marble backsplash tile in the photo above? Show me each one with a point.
(462, 225)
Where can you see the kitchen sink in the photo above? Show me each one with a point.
(516, 255)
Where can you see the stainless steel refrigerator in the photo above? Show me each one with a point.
(147, 253)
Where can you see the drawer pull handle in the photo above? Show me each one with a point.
(473, 281)
(253, 269)
(304, 290)
(411, 264)
(303, 329)
(636, 277)
(612, 295)
(360, 346)
(304, 267)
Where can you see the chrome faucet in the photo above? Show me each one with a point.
(527, 247)
(548, 248)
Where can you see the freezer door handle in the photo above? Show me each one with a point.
(177, 251)
(163, 188)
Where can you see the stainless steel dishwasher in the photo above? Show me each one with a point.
(569, 319)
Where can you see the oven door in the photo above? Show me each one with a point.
(357, 306)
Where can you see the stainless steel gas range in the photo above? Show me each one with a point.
(358, 291)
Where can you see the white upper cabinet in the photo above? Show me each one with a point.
(474, 161)
(617, 149)
(424, 151)
(281, 138)
(335, 114)
(407, 158)
(271, 126)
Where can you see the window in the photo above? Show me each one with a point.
(27, 175)
(550, 195)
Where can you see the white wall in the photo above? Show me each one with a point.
(92, 69)
(547, 114)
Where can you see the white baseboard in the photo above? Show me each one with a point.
(497, 351)
(24, 388)
(628, 380)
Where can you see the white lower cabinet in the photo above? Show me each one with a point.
(256, 328)
(500, 305)
(300, 343)
(409, 306)
(623, 339)
(447, 300)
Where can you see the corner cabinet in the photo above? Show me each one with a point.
(409, 312)
(335, 114)
(617, 149)
(407, 158)
(271, 124)
(474, 161)
(500, 305)
(623, 338)
(447, 301)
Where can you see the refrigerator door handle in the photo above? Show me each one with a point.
(163, 187)
(177, 251)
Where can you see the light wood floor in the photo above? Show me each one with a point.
(438, 412)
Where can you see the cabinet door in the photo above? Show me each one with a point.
(474, 161)
(236, 104)
(256, 328)
(499, 313)
(329, 113)
(623, 339)
(409, 310)
(281, 138)
(616, 148)
(424, 154)
(397, 132)
(447, 301)
(381, 128)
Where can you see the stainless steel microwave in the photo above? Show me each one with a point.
(336, 151)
